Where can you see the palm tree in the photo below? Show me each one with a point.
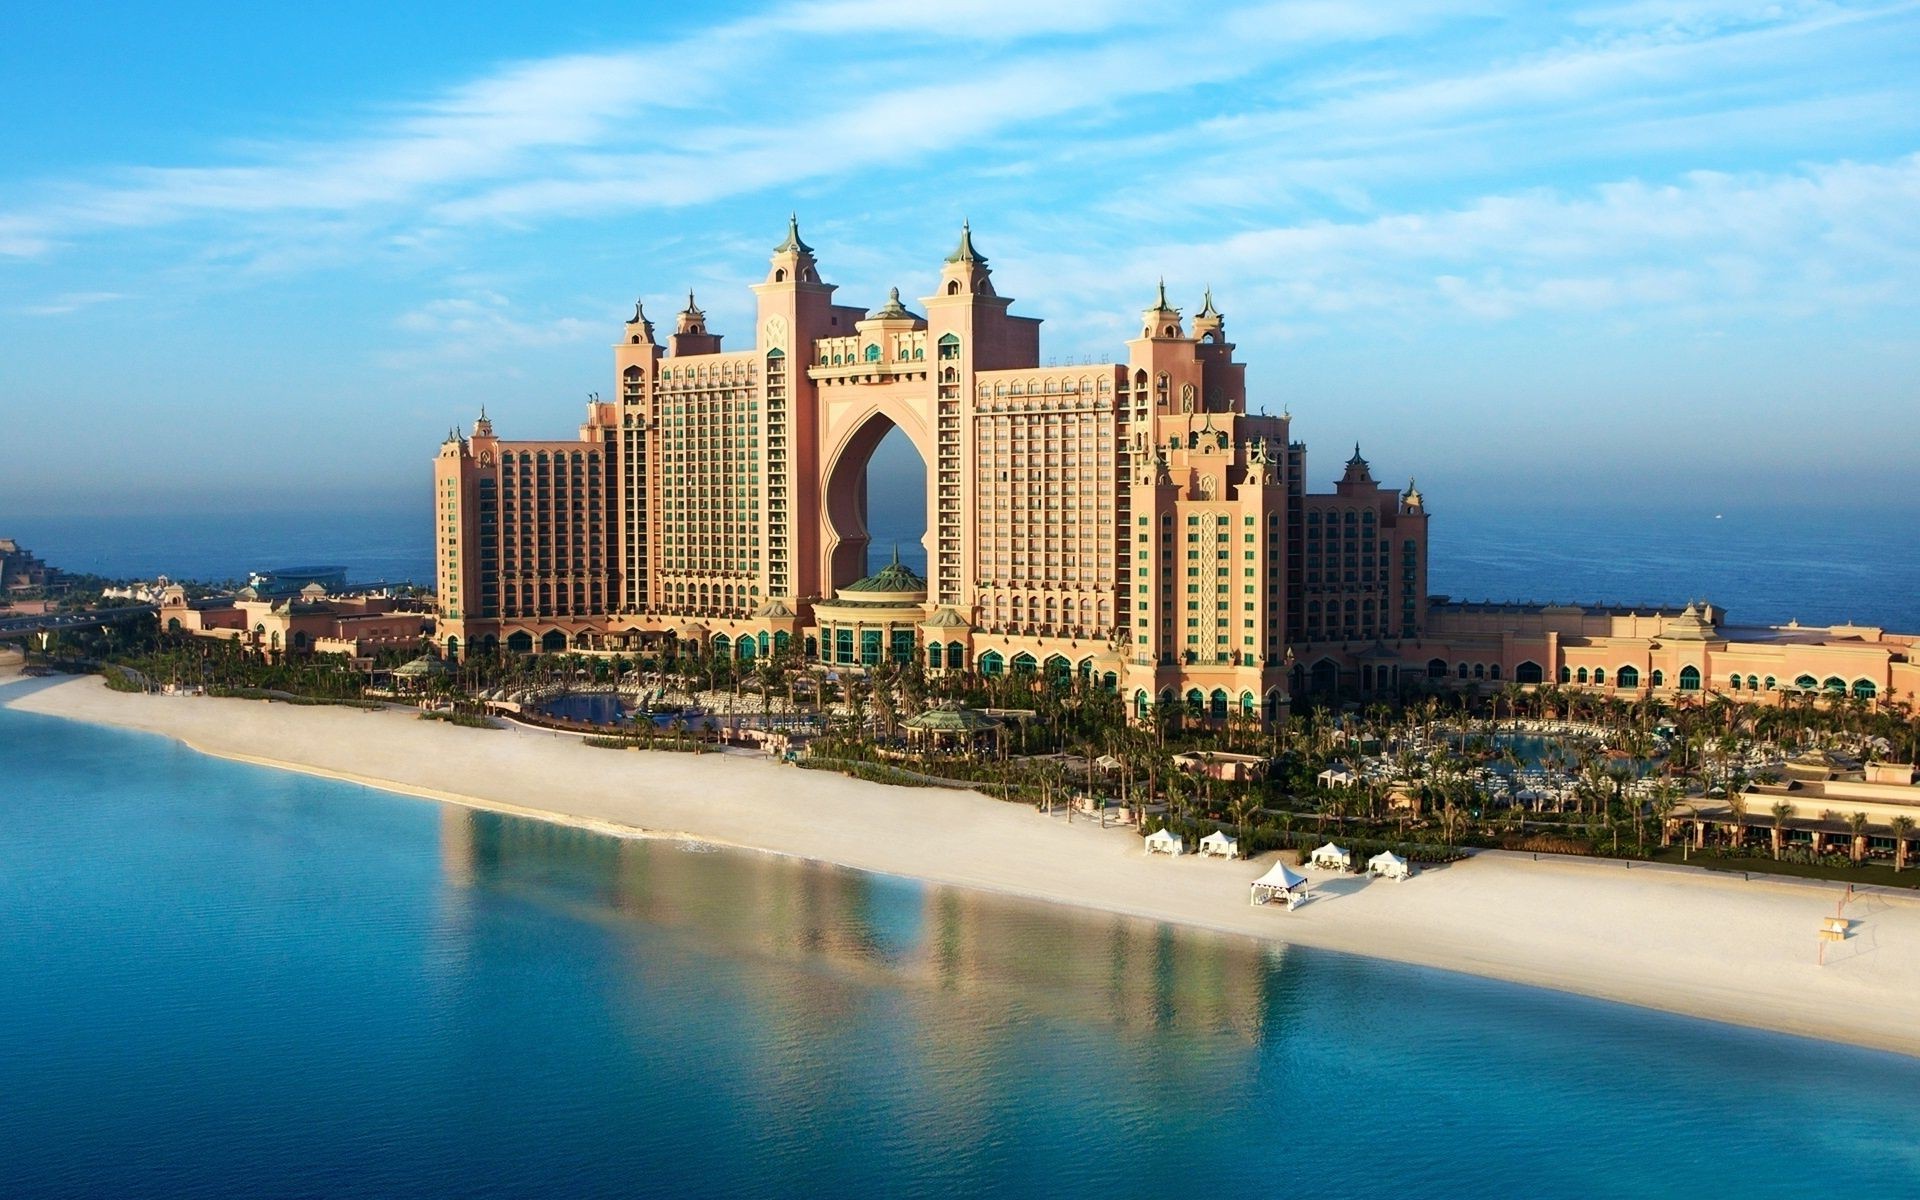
(1857, 826)
(1737, 809)
(1782, 812)
(1902, 830)
(1663, 806)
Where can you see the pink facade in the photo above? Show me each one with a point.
(1128, 521)
(309, 623)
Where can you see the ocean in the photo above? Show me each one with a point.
(222, 980)
(1761, 566)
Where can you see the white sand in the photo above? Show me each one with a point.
(1696, 942)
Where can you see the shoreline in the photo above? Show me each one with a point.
(1679, 940)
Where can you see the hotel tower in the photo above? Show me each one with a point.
(1126, 523)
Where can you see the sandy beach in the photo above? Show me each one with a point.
(1688, 941)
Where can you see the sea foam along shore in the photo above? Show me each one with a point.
(1701, 943)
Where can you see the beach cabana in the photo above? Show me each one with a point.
(1281, 884)
(1332, 858)
(418, 673)
(1337, 775)
(950, 727)
(1219, 845)
(1388, 865)
(1162, 841)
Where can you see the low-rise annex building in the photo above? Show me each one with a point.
(311, 622)
(1628, 653)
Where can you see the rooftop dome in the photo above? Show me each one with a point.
(895, 577)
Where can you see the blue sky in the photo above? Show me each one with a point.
(1621, 254)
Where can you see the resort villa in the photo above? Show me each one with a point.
(308, 622)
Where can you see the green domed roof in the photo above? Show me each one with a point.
(896, 576)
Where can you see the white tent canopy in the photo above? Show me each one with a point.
(1331, 857)
(1337, 775)
(1162, 841)
(1388, 865)
(1280, 883)
(1218, 844)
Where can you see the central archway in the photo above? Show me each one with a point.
(873, 490)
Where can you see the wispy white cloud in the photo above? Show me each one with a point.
(1706, 247)
(610, 132)
(69, 302)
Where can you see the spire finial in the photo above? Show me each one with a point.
(964, 252)
(1206, 308)
(793, 244)
(1161, 300)
(638, 315)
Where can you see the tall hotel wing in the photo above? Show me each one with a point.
(1128, 523)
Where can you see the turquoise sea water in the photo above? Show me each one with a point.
(222, 980)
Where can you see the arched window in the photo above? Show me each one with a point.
(1772, 683)
(1463, 670)
(935, 651)
(1493, 671)
(1436, 668)
(1196, 702)
(1753, 683)
(956, 655)
(1142, 705)
(1528, 672)
(1246, 704)
(1580, 676)
(1734, 683)
(1023, 663)
(1217, 705)
(1627, 677)
(1865, 689)
(1599, 675)
(1479, 671)
(1659, 678)
(779, 276)
(991, 663)
(1566, 674)
(953, 288)
(873, 353)
(1689, 678)
(1835, 684)
(1806, 683)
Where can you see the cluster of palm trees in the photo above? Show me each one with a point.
(1430, 781)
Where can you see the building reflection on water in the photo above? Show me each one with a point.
(838, 926)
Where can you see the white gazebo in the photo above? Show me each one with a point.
(1389, 865)
(1218, 845)
(1163, 841)
(1281, 884)
(1336, 776)
(1332, 858)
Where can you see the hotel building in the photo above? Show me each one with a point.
(1128, 522)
